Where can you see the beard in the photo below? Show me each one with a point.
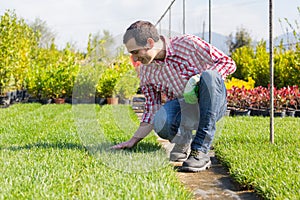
(146, 60)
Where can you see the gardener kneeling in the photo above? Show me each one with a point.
(191, 73)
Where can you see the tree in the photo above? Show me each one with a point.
(242, 38)
(17, 43)
(46, 35)
(99, 45)
(294, 29)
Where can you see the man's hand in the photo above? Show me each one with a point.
(143, 130)
(128, 144)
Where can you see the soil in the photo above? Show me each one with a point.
(214, 183)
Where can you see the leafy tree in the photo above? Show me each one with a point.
(98, 46)
(255, 64)
(243, 58)
(17, 43)
(287, 66)
(46, 35)
(260, 71)
(242, 38)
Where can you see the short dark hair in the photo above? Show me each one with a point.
(141, 31)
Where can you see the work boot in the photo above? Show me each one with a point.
(197, 161)
(180, 152)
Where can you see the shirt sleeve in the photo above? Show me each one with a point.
(214, 58)
(153, 103)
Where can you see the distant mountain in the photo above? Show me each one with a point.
(287, 40)
(219, 40)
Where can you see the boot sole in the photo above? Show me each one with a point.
(195, 169)
(179, 160)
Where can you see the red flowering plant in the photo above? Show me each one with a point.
(296, 91)
(280, 99)
(259, 98)
(238, 98)
(290, 96)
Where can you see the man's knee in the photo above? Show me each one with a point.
(211, 79)
(210, 75)
(162, 126)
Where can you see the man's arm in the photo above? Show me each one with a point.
(143, 130)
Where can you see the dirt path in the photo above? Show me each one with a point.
(214, 184)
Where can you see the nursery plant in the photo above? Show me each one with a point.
(17, 41)
(240, 83)
(108, 85)
(238, 98)
(254, 63)
(258, 99)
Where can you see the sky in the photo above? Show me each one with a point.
(73, 20)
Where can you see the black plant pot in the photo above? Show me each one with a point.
(277, 113)
(227, 113)
(4, 101)
(259, 112)
(45, 101)
(290, 113)
(280, 113)
(102, 101)
(297, 113)
(240, 112)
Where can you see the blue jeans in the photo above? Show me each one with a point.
(176, 120)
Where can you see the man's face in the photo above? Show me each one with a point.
(139, 53)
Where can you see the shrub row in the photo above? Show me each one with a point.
(255, 63)
(47, 73)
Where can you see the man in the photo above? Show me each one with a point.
(191, 73)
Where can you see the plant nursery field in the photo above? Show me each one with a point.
(62, 152)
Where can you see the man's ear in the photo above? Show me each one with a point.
(150, 43)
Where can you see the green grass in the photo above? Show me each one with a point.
(273, 170)
(61, 152)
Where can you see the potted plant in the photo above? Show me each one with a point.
(279, 102)
(127, 86)
(238, 101)
(106, 85)
(84, 90)
(292, 96)
(259, 98)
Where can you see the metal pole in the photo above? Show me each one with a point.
(203, 30)
(164, 13)
(271, 72)
(159, 28)
(170, 17)
(209, 20)
(183, 18)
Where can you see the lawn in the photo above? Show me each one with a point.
(62, 152)
(273, 170)
(52, 152)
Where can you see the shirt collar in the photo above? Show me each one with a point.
(169, 48)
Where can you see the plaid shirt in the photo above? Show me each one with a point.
(186, 56)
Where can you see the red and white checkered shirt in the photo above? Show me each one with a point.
(186, 56)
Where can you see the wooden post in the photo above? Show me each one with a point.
(271, 72)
